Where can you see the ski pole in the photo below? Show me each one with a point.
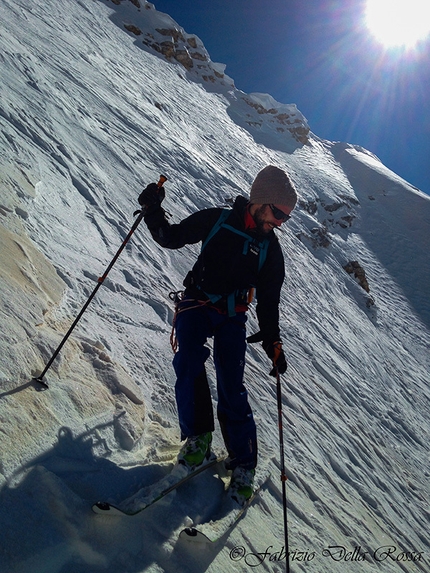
(92, 295)
(283, 474)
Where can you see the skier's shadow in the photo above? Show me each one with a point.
(47, 503)
(83, 463)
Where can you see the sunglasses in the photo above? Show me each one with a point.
(278, 214)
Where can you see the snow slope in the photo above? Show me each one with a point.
(89, 114)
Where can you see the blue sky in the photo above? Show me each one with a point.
(319, 55)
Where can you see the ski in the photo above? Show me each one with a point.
(144, 498)
(231, 512)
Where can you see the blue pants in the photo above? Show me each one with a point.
(193, 327)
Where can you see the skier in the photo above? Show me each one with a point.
(240, 252)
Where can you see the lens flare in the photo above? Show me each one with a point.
(398, 22)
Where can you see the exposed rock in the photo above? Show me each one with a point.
(319, 237)
(342, 213)
(167, 48)
(184, 58)
(308, 206)
(295, 126)
(354, 268)
(346, 221)
(199, 56)
(133, 29)
(333, 207)
(172, 32)
(135, 2)
(209, 78)
(369, 302)
(192, 42)
(260, 109)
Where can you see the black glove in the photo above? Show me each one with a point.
(276, 354)
(152, 196)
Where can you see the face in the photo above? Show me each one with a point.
(265, 218)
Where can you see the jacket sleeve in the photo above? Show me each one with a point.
(191, 230)
(270, 281)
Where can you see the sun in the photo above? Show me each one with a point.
(398, 22)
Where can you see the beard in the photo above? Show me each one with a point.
(260, 220)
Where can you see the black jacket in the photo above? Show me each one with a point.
(222, 267)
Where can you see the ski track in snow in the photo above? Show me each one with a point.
(88, 117)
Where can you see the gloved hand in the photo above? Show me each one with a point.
(152, 196)
(276, 354)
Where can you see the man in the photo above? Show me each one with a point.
(240, 252)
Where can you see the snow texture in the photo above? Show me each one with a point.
(91, 111)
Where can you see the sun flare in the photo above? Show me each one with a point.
(398, 22)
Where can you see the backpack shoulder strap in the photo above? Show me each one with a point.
(263, 245)
(224, 214)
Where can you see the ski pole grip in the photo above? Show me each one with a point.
(162, 180)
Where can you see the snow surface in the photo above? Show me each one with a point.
(88, 116)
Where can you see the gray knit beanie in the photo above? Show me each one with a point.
(273, 186)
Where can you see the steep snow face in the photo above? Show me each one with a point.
(89, 115)
(271, 123)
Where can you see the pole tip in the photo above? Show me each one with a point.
(40, 380)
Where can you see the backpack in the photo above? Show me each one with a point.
(250, 243)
